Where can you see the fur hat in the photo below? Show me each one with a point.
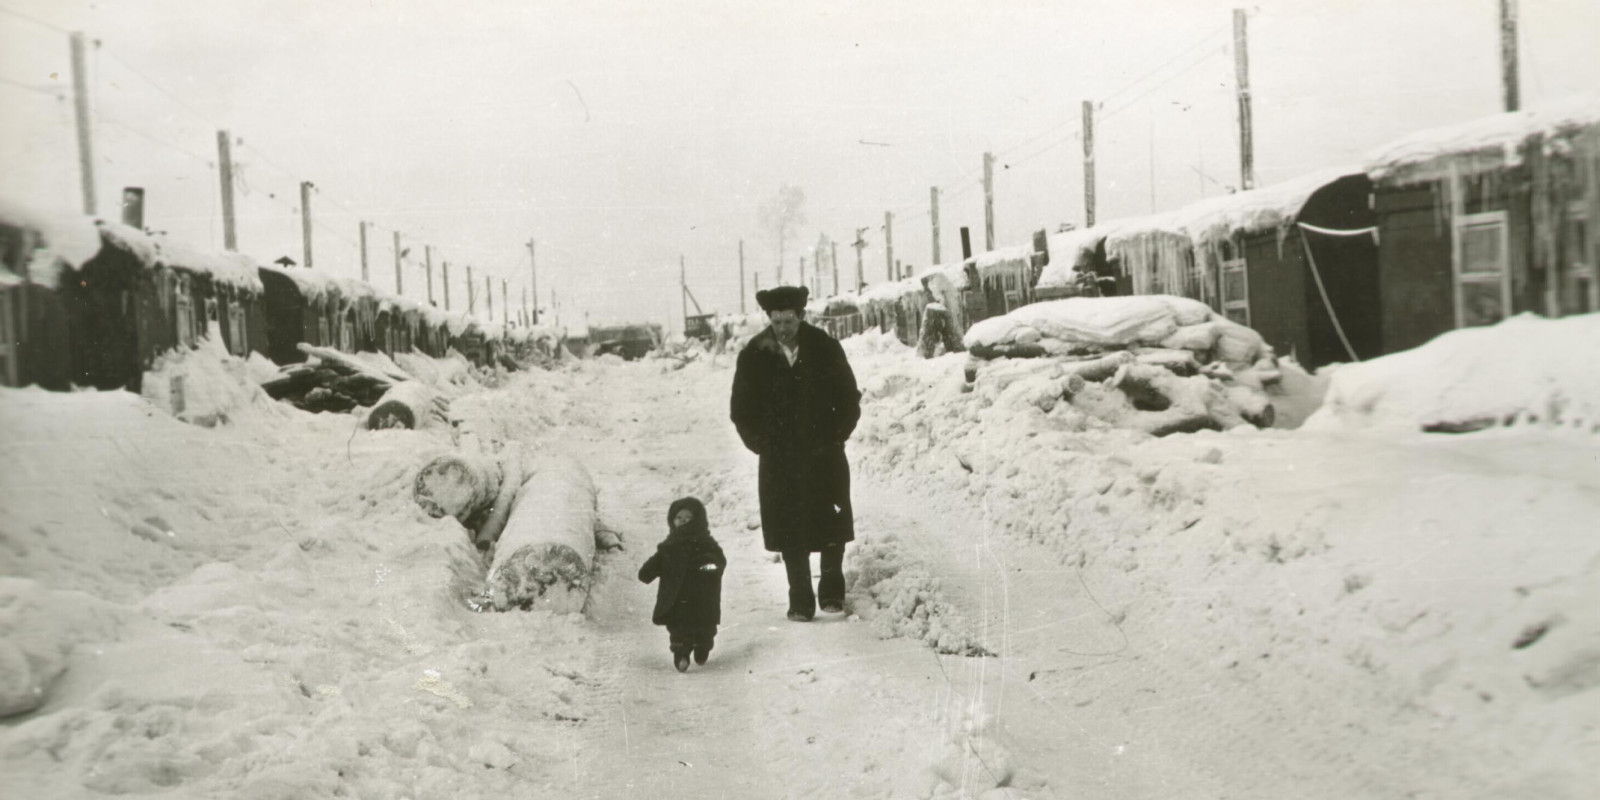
(782, 298)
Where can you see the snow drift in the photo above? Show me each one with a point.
(1523, 370)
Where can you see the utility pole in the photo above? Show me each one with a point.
(427, 261)
(988, 202)
(888, 244)
(1511, 84)
(933, 211)
(80, 106)
(1088, 164)
(305, 219)
(527, 320)
(533, 267)
(505, 304)
(833, 258)
(399, 277)
(472, 294)
(859, 243)
(741, 276)
(363, 227)
(1241, 73)
(802, 270)
(488, 297)
(445, 279)
(230, 240)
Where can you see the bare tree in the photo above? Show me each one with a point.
(782, 216)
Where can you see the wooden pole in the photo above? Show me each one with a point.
(933, 209)
(80, 107)
(888, 244)
(505, 303)
(741, 276)
(1510, 82)
(472, 293)
(305, 220)
(861, 281)
(533, 268)
(1088, 164)
(399, 279)
(488, 298)
(966, 243)
(1241, 72)
(444, 278)
(230, 239)
(988, 202)
(427, 262)
(363, 228)
(833, 259)
(802, 270)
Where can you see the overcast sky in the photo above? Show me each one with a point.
(621, 134)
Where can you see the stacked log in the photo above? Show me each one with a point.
(544, 555)
(408, 404)
(464, 487)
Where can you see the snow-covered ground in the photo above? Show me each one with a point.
(1039, 601)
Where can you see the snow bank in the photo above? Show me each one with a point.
(1523, 370)
(208, 385)
(902, 598)
(1068, 251)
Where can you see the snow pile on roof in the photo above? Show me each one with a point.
(1524, 370)
(69, 237)
(1266, 208)
(153, 250)
(994, 258)
(890, 291)
(1483, 144)
(316, 286)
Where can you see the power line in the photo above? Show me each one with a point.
(34, 20)
(162, 89)
(1188, 68)
(56, 93)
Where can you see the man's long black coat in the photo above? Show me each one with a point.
(797, 419)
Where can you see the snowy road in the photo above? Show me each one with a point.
(259, 611)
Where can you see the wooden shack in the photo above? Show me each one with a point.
(1487, 219)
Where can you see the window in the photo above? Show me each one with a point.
(1482, 269)
(1235, 288)
(237, 331)
(1580, 285)
(183, 313)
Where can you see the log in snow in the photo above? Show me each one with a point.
(460, 486)
(545, 553)
(409, 404)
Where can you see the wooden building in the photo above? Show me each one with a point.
(1487, 219)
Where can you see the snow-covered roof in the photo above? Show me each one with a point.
(69, 238)
(1480, 145)
(1002, 255)
(233, 269)
(890, 291)
(1266, 208)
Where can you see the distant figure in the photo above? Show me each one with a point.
(795, 403)
(689, 599)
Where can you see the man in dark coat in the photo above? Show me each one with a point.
(795, 403)
(689, 599)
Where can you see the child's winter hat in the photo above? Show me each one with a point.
(691, 503)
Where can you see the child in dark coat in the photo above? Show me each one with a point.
(689, 598)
